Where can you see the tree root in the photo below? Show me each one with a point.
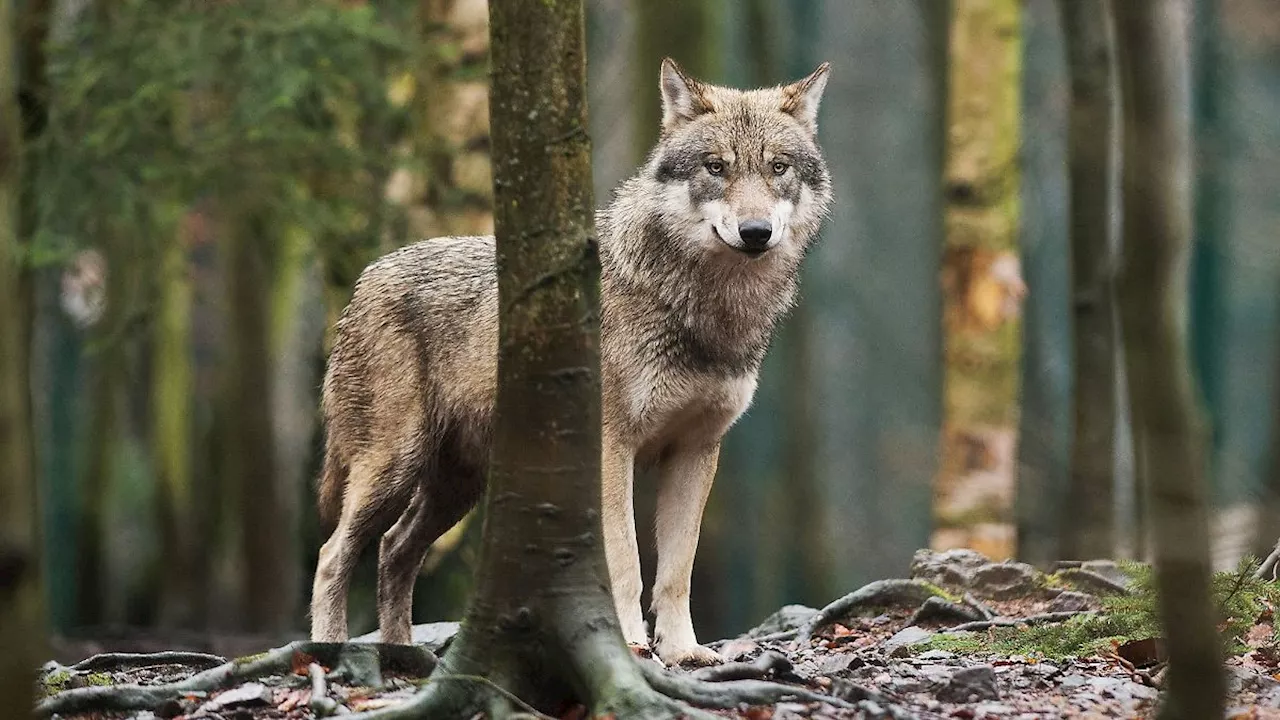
(769, 663)
(1092, 581)
(887, 593)
(1268, 566)
(732, 693)
(771, 637)
(1042, 619)
(110, 662)
(280, 661)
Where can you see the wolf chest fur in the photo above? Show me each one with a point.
(700, 255)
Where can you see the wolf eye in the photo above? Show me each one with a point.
(779, 167)
(715, 167)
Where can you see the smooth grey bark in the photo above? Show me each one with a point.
(1155, 78)
(1089, 31)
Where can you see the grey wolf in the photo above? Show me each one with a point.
(700, 254)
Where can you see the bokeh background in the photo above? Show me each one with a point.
(213, 176)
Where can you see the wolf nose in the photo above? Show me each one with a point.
(755, 234)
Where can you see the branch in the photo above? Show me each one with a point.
(111, 662)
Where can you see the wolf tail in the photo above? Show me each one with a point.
(331, 487)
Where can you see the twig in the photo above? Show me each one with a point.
(1042, 619)
(321, 704)
(769, 663)
(122, 661)
(882, 592)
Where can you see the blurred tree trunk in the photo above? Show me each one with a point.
(172, 391)
(982, 281)
(451, 112)
(541, 623)
(681, 29)
(1089, 530)
(22, 623)
(270, 586)
(1155, 77)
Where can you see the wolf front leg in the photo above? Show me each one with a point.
(683, 485)
(621, 551)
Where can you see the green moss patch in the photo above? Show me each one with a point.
(1241, 600)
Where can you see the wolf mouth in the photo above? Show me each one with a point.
(749, 252)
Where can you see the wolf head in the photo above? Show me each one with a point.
(740, 172)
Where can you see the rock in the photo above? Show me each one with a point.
(1270, 698)
(1109, 570)
(1072, 601)
(788, 617)
(935, 609)
(1072, 681)
(952, 568)
(790, 711)
(1241, 679)
(900, 644)
(935, 655)
(838, 663)
(1004, 581)
(1122, 689)
(993, 710)
(433, 636)
(971, 684)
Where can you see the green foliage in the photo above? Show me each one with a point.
(1240, 599)
(277, 104)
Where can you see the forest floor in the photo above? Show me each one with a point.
(962, 638)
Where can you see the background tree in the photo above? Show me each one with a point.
(1168, 430)
(1088, 26)
(982, 280)
(21, 593)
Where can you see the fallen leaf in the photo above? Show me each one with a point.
(1142, 653)
(300, 662)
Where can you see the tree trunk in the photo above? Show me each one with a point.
(22, 622)
(1094, 163)
(1155, 77)
(171, 433)
(541, 622)
(270, 586)
(982, 281)
(681, 29)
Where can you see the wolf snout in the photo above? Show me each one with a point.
(755, 235)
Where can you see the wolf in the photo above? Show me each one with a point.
(700, 254)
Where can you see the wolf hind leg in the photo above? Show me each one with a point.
(368, 509)
(622, 552)
(405, 546)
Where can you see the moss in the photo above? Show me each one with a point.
(1240, 600)
(245, 660)
(941, 592)
(55, 683)
(99, 679)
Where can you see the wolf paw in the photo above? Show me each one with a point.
(689, 656)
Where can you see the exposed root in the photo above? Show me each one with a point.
(887, 593)
(110, 662)
(1092, 581)
(321, 704)
(731, 694)
(1266, 571)
(769, 663)
(280, 661)
(1042, 619)
(771, 637)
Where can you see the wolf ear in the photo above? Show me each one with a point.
(801, 99)
(683, 98)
